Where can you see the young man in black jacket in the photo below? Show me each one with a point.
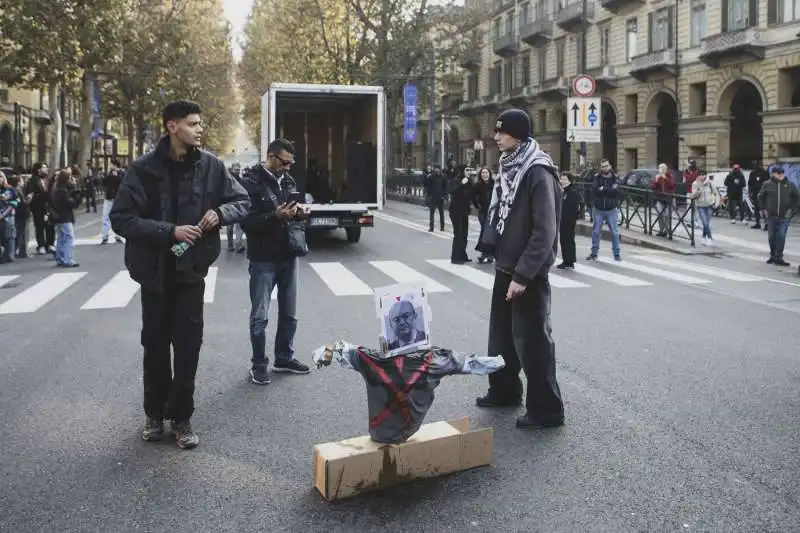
(522, 232)
(175, 194)
(461, 195)
(273, 260)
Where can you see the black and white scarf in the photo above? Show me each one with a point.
(513, 166)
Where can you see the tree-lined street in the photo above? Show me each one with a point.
(672, 389)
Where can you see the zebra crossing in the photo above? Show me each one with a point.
(21, 295)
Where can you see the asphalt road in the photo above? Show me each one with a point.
(681, 382)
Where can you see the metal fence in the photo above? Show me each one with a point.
(639, 209)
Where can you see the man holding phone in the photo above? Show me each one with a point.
(274, 203)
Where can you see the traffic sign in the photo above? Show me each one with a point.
(584, 121)
(584, 85)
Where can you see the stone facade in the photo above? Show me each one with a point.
(698, 78)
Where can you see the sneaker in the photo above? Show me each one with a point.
(534, 422)
(185, 438)
(153, 430)
(260, 375)
(591, 257)
(617, 258)
(292, 366)
(104, 241)
(782, 263)
(564, 266)
(770, 261)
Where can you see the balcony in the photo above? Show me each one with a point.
(471, 107)
(493, 102)
(555, 88)
(572, 17)
(536, 32)
(735, 44)
(452, 94)
(615, 6)
(606, 77)
(521, 96)
(498, 6)
(470, 60)
(506, 45)
(644, 65)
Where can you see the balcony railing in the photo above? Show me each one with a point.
(745, 42)
(572, 15)
(617, 5)
(644, 65)
(505, 45)
(536, 32)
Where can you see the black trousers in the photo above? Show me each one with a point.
(45, 231)
(173, 318)
(460, 223)
(433, 206)
(567, 238)
(91, 202)
(520, 331)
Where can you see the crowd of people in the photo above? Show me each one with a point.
(47, 201)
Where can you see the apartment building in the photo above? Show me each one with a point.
(716, 80)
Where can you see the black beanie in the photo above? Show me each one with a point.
(514, 122)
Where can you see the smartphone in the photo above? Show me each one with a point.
(297, 197)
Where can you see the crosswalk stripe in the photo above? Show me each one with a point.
(742, 242)
(699, 269)
(117, 293)
(402, 273)
(5, 280)
(611, 277)
(340, 280)
(561, 282)
(674, 276)
(211, 285)
(473, 275)
(33, 298)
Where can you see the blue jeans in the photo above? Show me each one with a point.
(776, 232)
(65, 239)
(264, 277)
(705, 218)
(609, 217)
(8, 238)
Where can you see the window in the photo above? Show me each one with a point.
(605, 45)
(509, 27)
(698, 22)
(581, 66)
(524, 14)
(525, 70)
(541, 61)
(660, 30)
(560, 57)
(472, 87)
(496, 29)
(542, 10)
(741, 15)
(495, 79)
(788, 10)
(508, 76)
(631, 39)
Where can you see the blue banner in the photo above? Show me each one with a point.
(409, 113)
(96, 122)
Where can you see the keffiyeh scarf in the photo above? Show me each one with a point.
(513, 166)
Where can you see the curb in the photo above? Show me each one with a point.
(584, 229)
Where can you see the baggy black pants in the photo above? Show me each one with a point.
(460, 221)
(173, 318)
(567, 238)
(433, 206)
(45, 230)
(520, 331)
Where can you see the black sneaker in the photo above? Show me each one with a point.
(153, 430)
(617, 258)
(565, 266)
(770, 261)
(492, 400)
(782, 263)
(591, 257)
(260, 375)
(531, 422)
(185, 438)
(292, 366)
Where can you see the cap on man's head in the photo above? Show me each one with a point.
(514, 122)
(777, 170)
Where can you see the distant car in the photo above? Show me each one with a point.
(641, 178)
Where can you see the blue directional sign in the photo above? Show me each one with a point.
(584, 120)
(409, 113)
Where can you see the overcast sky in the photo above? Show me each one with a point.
(236, 11)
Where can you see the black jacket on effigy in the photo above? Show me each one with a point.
(144, 213)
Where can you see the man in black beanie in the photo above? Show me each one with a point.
(521, 233)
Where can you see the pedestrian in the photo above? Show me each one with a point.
(9, 202)
(235, 234)
(275, 241)
(734, 188)
(111, 183)
(755, 180)
(706, 199)
(779, 200)
(605, 185)
(435, 191)
(570, 209)
(38, 189)
(90, 189)
(461, 195)
(522, 235)
(156, 207)
(483, 197)
(22, 215)
(62, 213)
(663, 187)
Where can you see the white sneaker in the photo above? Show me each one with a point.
(705, 241)
(733, 221)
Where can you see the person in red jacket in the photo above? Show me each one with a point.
(664, 187)
(690, 174)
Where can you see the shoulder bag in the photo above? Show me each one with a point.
(296, 230)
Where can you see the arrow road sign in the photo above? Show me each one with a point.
(584, 120)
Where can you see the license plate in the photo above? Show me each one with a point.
(325, 221)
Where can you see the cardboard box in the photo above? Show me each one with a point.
(349, 467)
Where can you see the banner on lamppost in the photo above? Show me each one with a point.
(409, 113)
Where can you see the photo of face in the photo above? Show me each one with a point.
(404, 316)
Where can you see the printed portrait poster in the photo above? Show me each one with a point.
(405, 318)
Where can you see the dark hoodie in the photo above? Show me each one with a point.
(734, 183)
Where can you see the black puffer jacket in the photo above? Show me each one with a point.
(143, 214)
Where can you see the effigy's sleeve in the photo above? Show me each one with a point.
(344, 353)
(446, 362)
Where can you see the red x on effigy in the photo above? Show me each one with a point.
(397, 389)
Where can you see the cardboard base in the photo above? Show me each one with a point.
(349, 467)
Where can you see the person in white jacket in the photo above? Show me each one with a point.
(706, 199)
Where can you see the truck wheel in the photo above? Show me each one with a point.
(353, 234)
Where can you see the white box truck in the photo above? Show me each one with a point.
(339, 134)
